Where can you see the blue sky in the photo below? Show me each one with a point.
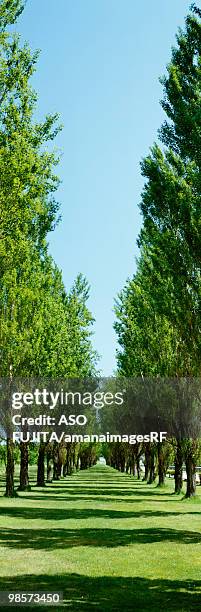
(99, 67)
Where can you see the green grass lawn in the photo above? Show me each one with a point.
(107, 541)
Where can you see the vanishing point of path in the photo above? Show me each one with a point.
(107, 541)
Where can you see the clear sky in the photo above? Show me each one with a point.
(99, 67)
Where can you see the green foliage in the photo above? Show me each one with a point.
(33, 453)
(158, 312)
(43, 330)
(89, 453)
(10, 11)
(3, 453)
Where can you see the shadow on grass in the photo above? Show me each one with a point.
(53, 539)
(62, 514)
(100, 484)
(43, 495)
(75, 490)
(111, 593)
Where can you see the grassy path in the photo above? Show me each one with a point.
(107, 541)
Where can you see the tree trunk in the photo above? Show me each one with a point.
(55, 461)
(65, 469)
(66, 464)
(59, 469)
(152, 469)
(41, 466)
(74, 457)
(133, 467)
(127, 467)
(191, 476)
(24, 467)
(56, 468)
(49, 467)
(178, 467)
(147, 462)
(10, 490)
(138, 467)
(161, 466)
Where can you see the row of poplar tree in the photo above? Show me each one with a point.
(158, 313)
(44, 330)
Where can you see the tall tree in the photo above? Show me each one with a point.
(170, 237)
(44, 331)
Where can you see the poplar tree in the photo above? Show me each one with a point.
(170, 289)
(44, 331)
